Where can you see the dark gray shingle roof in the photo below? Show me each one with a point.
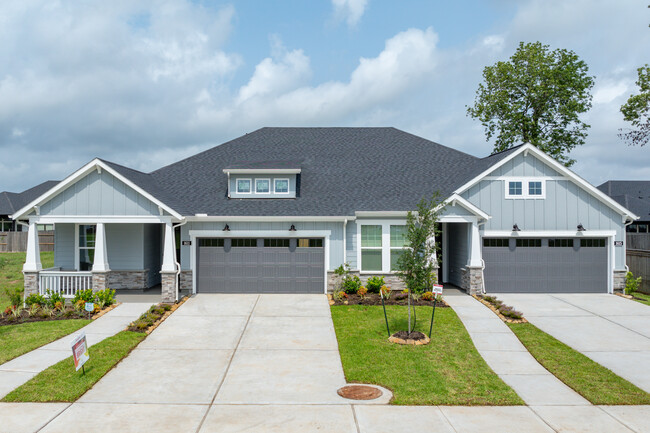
(10, 202)
(632, 194)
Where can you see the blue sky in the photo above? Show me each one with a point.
(147, 83)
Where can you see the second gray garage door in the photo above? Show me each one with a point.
(260, 265)
(534, 265)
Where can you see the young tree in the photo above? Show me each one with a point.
(536, 98)
(417, 264)
(637, 111)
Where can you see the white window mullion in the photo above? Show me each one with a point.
(385, 247)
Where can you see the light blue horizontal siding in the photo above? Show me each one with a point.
(336, 236)
(124, 245)
(99, 194)
(252, 177)
(64, 246)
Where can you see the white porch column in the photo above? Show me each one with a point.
(475, 246)
(100, 264)
(33, 257)
(169, 249)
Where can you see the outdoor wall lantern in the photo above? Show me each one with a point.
(515, 228)
(581, 228)
(226, 228)
(292, 228)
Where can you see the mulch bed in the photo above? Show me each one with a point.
(415, 338)
(498, 313)
(154, 316)
(375, 299)
(67, 314)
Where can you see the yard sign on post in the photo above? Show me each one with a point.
(437, 290)
(80, 351)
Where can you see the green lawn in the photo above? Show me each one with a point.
(644, 299)
(61, 382)
(16, 340)
(11, 272)
(588, 378)
(448, 371)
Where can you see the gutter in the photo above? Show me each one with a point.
(176, 262)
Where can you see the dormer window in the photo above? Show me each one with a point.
(263, 186)
(243, 186)
(281, 186)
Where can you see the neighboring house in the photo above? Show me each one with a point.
(10, 202)
(635, 195)
(279, 209)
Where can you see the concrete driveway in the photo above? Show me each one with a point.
(613, 331)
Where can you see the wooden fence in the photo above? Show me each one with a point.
(16, 242)
(638, 258)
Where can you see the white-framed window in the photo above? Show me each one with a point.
(281, 186)
(243, 186)
(380, 245)
(262, 186)
(5, 225)
(86, 246)
(525, 188)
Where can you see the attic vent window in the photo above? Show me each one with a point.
(281, 186)
(243, 186)
(262, 186)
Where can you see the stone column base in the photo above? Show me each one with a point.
(31, 283)
(472, 279)
(168, 284)
(619, 279)
(99, 281)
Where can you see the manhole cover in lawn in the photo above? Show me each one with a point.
(359, 392)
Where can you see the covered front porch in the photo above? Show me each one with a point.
(131, 255)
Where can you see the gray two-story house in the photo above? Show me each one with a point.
(279, 209)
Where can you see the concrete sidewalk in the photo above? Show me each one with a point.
(613, 331)
(505, 354)
(19, 370)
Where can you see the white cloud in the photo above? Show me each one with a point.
(350, 10)
(607, 91)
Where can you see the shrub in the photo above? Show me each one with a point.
(351, 284)
(79, 305)
(631, 284)
(15, 296)
(386, 292)
(427, 296)
(338, 295)
(510, 312)
(54, 298)
(58, 305)
(105, 298)
(167, 307)
(35, 299)
(17, 312)
(8, 311)
(84, 295)
(33, 309)
(374, 284)
(362, 292)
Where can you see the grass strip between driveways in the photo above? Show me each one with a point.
(61, 383)
(16, 340)
(447, 371)
(591, 380)
(641, 297)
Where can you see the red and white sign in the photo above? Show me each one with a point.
(437, 289)
(79, 351)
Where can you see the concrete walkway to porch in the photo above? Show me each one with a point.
(19, 370)
(509, 359)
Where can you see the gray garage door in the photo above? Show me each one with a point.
(260, 266)
(567, 265)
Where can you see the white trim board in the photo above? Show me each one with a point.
(95, 164)
(261, 170)
(194, 234)
(530, 149)
(94, 219)
(455, 198)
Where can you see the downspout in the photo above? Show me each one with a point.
(345, 238)
(482, 268)
(176, 262)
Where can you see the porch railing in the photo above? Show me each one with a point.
(66, 283)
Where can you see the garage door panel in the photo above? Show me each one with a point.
(545, 269)
(270, 269)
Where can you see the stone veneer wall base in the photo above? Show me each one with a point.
(168, 285)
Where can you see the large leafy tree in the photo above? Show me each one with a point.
(637, 111)
(535, 97)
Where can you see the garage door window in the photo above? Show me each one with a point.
(560, 243)
(276, 243)
(371, 244)
(592, 243)
(211, 242)
(310, 243)
(529, 243)
(496, 242)
(238, 243)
